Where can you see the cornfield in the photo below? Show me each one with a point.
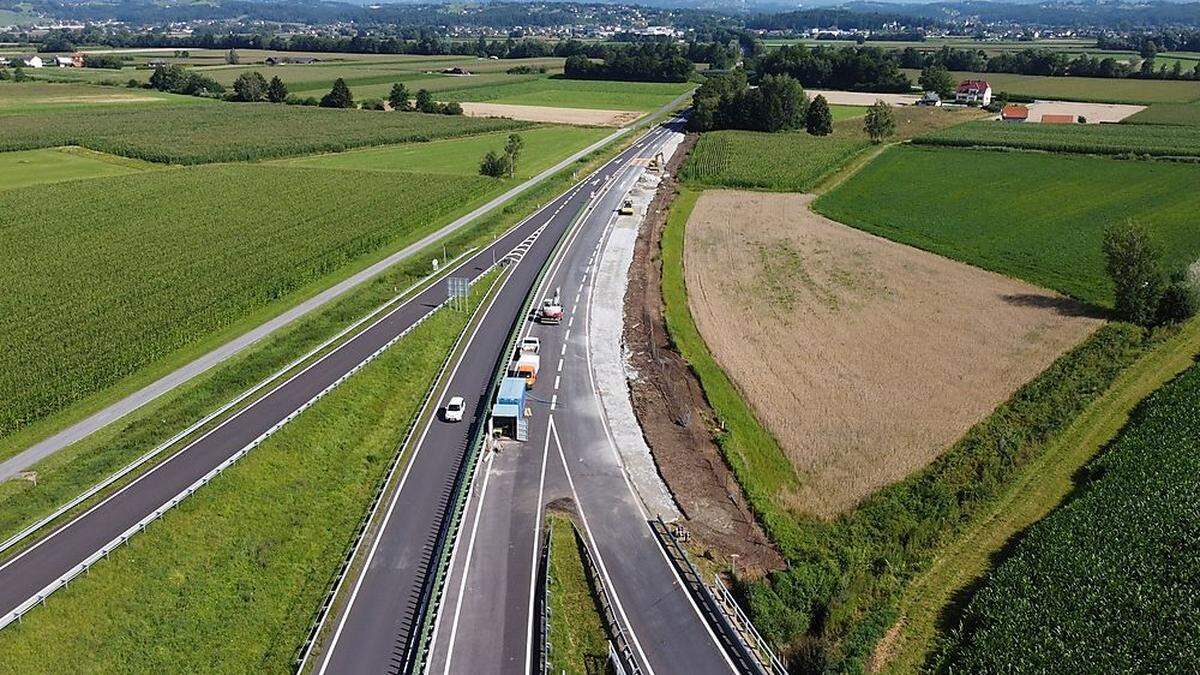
(199, 134)
(1099, 139)
(1111, 581)
(784, 162)
(104, 277)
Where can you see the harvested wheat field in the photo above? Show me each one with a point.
(546, 114)
(865, 358)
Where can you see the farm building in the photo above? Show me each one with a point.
(67, 62)
(973, 91)
(299, 60)
(1058, 119)
(27, 60)
(456, 70)
(1014, 113)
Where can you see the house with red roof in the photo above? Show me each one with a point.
(978, 92)
(1014, 113)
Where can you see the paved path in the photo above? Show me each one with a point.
(46, 447)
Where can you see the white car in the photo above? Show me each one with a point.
(454, 409)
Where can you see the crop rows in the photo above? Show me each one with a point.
(106, 276)
(788, 162)
(192, 134)
(1111, 581)
(1100, 139)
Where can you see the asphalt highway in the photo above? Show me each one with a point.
(38, 570)
(485, 624)
(372, 630)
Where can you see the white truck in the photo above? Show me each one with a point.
(551, 311)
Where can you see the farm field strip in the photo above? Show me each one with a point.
(1099, 139)
(228, 132)
(45, 97)
(1041, 218)
(557, 92)
(1107, 582)
(54, 165)
(95, 317)
(1183, 114)
(544, 147)
(1088, 89)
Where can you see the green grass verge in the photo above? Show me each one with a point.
(144, 274)
(230, 132)
(544, 147)
(1090, 139)
(228, 581)
(932, 604)
(1041, 217)
(55, 165)
(578, 639)
(1182, 114)
(1108, 582)
(79, 466)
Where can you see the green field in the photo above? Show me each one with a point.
(577, 637)
(227, 132)
(380, 87)
(544, 147)
(1100, 139)
(1094, 89)
(791, 162)
(558, 92)
(159, 260)
(1107, 583)
(1182, 114)
(46, 97)
(795, 161)
(229, 580)
(1034, 216)
(846, 112)
(54, 165)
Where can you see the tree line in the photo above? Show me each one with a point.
(652, 62)
(850, 68)
(1044, 62)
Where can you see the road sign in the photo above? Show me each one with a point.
(458, 289)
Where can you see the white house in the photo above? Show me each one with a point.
(973, 91)
(29, 60)
(64, 62)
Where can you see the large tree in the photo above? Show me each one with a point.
(277, 91)
(398, 97)
(512, 150)
(938, 80)
(1132, 261)
(339, 96)
(879, 122)
(425, 102)
(250, 87)
(819, 119)
(495, 165)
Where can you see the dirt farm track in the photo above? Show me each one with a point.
(865, 358)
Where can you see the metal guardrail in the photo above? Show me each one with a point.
(754, 639)
(620, 653)
(543, 612)
(304, 652)
(744, 658)
(62, 581)
(196, 426)
(417, 647)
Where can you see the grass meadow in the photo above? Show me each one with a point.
(544, 146)
(1096, 139)
(159, 260)
(1088, 89)
(1107, 583)
(198, 134)
(229, 581)
(44, 97)
(54, 165)
(1180, 114)
(1040, 218)
(557, 92)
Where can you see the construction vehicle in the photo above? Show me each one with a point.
(626, 208)
(551, 311)
(527, 367)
